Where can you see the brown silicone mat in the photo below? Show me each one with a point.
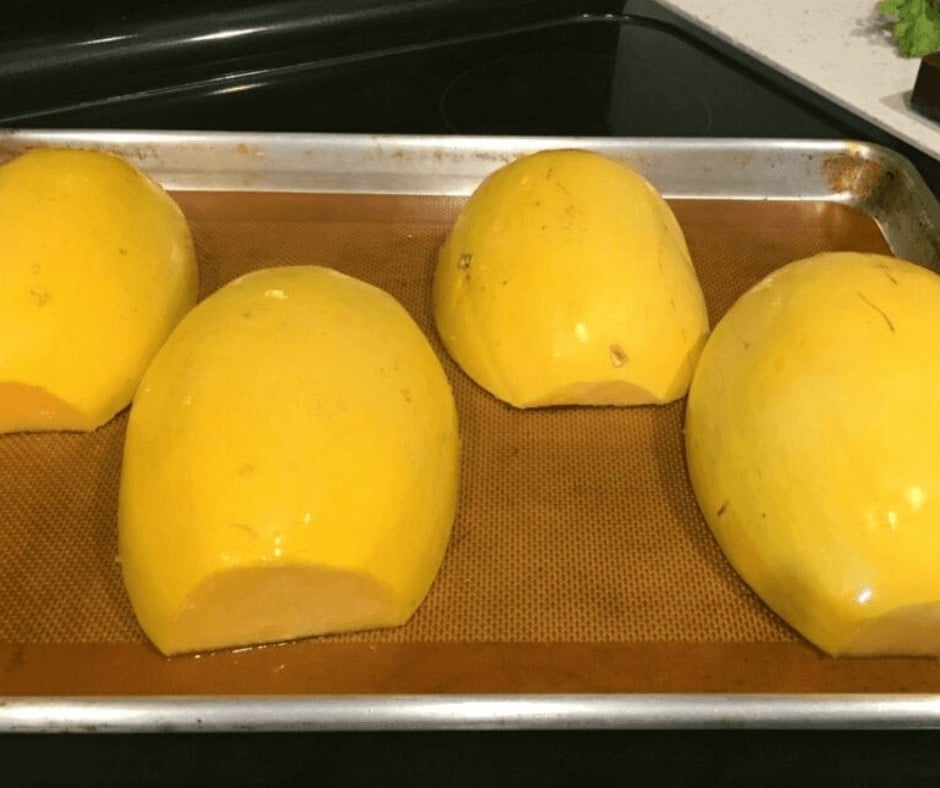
(579, 561)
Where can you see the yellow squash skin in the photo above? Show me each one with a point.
(566, 280)
(813, 446)
(96, 267)
(290, 466)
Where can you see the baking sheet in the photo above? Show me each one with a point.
(581, 586)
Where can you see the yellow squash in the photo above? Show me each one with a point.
(290, 466)
(567, 280)
(96, 267)
(813, 445)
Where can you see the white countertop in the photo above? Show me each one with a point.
(842, 49)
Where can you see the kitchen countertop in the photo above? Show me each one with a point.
(842, 50)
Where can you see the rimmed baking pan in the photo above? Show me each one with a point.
(581, 588)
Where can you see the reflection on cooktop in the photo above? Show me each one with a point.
(647, 99)
(660, 84)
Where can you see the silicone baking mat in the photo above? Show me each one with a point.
(579, 561)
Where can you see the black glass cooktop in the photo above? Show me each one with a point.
(581, 75)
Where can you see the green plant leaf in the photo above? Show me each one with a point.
(916, 27)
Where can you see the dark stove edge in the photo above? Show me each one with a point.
(37, 33)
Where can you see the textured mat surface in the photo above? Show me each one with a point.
(578, 559)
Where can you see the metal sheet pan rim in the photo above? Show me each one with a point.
(468, 712)
(861, 174)
(258, 152)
